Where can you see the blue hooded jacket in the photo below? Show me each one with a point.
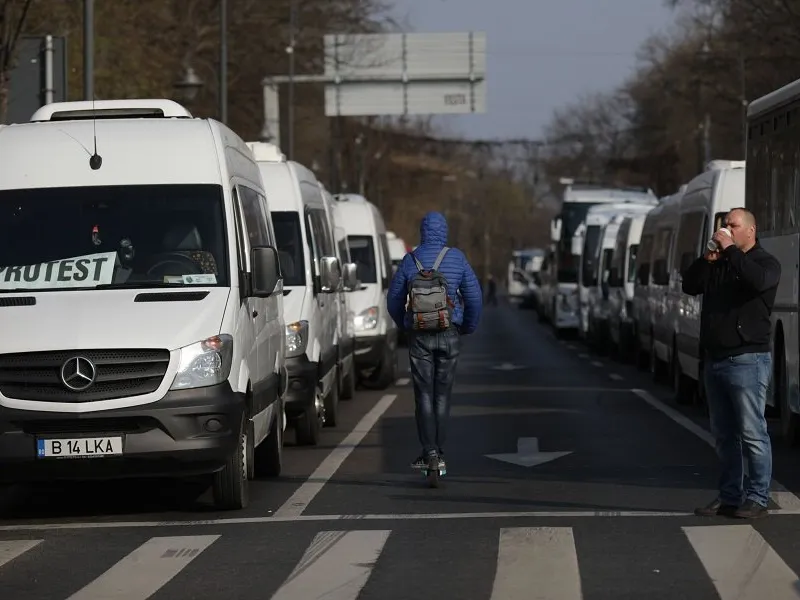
(462, 284)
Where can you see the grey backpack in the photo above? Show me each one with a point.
(431, 309)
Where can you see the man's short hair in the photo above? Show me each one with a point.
(750, 218)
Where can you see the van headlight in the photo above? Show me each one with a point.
(296, 338)
(204, 363)
(366, 319)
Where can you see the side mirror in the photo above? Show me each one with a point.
(330, 274)
(577, 246)
(350, 276)
(264, 271)
(555, 229)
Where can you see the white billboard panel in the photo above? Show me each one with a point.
(396, 73)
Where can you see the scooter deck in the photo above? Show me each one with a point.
(432, 475)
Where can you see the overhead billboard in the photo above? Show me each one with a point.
(405, 74)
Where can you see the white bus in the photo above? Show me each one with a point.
(772, 192)
(559, 276)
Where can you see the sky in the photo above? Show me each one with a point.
(541, 54)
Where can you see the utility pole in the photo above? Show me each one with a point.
(88, 49)
(290, 51)
(223, 61)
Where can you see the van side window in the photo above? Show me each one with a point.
(254, 217)
(322, 232)
(691, 227)
(643, 259)
(661, 257)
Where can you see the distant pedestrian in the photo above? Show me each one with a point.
(738, 282)
(491, 291)
(436, 298)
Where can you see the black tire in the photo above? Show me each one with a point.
(349, 382)
(269, 455)
(680, 383)
(230, 488)
(332, 406)
(387, 371)
(308, 425)
(790, 422)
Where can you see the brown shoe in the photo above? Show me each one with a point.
(751, 510)
(716, 508)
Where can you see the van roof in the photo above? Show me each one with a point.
(111, 109)
(266, 152)
(134, 151)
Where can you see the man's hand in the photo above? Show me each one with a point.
(723, 239)
(711, 255)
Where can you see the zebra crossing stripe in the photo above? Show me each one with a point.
(537, 562)
(145, 570)
(9, 550)
(336, 566)
(741, 564)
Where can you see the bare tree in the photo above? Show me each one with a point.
(12, 20)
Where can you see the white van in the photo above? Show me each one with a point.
(397, 250)
(140, 299)
(706, 201)
(311, 278)
(621, 282)
(376, 333)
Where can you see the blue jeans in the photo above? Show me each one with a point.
(736, 388)
(433, 357)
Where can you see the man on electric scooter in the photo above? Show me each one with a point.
(435, 298)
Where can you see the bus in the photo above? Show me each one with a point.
(559, 276)
(772, 193)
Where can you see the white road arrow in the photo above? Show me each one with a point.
(528, 454)
(507, 367)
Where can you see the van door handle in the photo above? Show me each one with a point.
(255, 314)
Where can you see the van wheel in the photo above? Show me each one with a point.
(269, 455)
(790, 422)
(230, 488)
(387, 371)
(680, 385)
(308, 425)
(349, 382)
(332, 405)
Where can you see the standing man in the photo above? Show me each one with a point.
(436, 298)
(738, 282)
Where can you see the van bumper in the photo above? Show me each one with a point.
(369, 351)
(187, 432)
(301, 392)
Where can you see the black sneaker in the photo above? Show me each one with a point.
(419, 463)
(751, 510)
(716, 508)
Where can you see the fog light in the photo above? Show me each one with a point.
(213, 425)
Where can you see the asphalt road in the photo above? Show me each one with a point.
(569, 477)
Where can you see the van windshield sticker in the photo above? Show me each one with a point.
(201, 279)
(76, 272)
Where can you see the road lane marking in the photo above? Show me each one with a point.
(303, 496)
(615, 376)
(403, 381)
(597, 363)
(741, 564)
(537, 560)
(487, 389)
(147, 569)
(787, 500)
(565, 514)
(336, 566)
(583, 355)
(570, 347)
(11, 549)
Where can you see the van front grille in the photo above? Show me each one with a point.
(117, 374)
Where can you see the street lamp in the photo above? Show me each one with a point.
(189, 86)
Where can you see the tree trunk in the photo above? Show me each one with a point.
(4, 93)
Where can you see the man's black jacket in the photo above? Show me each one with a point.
(738, 293)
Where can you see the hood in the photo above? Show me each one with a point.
(433, 229)
(293, 299)
(95, 319)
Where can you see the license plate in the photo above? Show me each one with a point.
(79, 447)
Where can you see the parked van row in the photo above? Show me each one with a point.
(173, 298)
(631, 257)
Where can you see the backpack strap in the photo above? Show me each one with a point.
(440, 258)
(420, 268)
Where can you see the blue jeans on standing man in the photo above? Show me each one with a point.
(433, 357)
(736, 389)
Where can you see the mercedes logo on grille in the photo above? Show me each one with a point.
(78, 373)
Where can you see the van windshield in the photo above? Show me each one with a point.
(362, 252)
(112, 237)
(290, 247)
